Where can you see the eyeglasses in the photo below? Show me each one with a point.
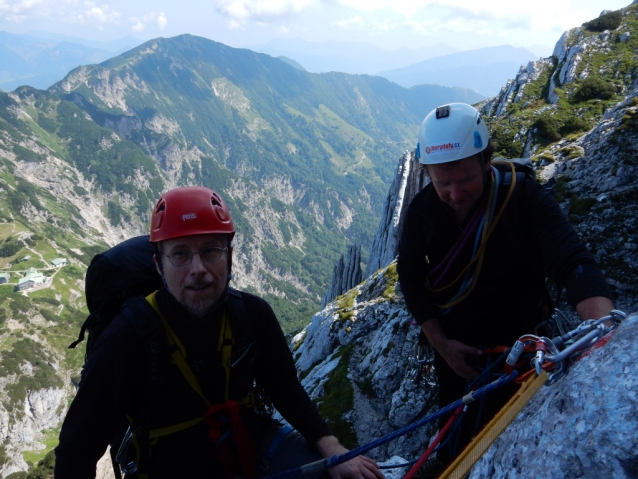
(207, 255)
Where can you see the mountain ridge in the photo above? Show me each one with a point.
(483, 70)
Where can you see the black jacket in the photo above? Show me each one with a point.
(113, 386)
(532, 239)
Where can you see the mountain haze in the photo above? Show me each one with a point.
(348, 57)
(484, 70)
(40, 59)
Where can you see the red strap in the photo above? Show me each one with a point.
(236, 454)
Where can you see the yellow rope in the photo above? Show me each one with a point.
(481, 443)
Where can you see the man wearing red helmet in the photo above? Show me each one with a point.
(199, 421)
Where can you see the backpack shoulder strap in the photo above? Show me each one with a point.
(141, 316)
(240, 323)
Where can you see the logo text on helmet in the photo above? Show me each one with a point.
(189, 216)
(443, 147)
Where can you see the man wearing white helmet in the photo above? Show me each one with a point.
(477, 245)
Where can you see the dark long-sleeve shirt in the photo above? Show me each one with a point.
(532, 239)
(113, 384)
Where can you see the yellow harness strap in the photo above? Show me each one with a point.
(178, 354)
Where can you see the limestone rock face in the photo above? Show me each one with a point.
(346, 274)
(42, 409)
(584, 426)
(367, 333)
(408, 181)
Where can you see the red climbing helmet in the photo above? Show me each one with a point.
(193, 210)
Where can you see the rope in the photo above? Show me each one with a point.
(428, 452)
(488, 229)
(319, 466)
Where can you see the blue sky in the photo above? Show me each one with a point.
(391, 24)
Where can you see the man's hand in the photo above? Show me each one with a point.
(360, 467)
(454, 352)
(595, 308)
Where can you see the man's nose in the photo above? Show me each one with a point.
(456, 192)
(197, 263)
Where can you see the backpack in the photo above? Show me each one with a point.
(125, 271)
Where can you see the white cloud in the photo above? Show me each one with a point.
(18, 6)
(368, 25)
(19, 10)
(355, 23)
(15, 18)
(93, 14)
(162, 21)
(283, 29)
(139, 24)
(241, 10)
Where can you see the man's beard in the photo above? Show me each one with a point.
(200, 307)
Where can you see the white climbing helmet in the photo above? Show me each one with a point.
(451, 132)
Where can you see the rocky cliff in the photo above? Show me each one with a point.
(346, 274)
(573, 116)
(354, 359)
(585, 425)
(409, 179)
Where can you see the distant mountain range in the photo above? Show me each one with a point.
(348, 57)
(484, 70)
(40, 59)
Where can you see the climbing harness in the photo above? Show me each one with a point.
(552, 363)
(223, 419)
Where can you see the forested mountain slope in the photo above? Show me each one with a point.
(304, 159)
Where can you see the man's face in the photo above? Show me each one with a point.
(459, 184)
(197, 285)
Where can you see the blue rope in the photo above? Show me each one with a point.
(318, 466)
(399, 466)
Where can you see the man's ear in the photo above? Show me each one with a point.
(229, 261)
(487, 166)
(159, 265)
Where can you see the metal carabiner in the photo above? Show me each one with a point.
(122, 453)
(557, 373)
